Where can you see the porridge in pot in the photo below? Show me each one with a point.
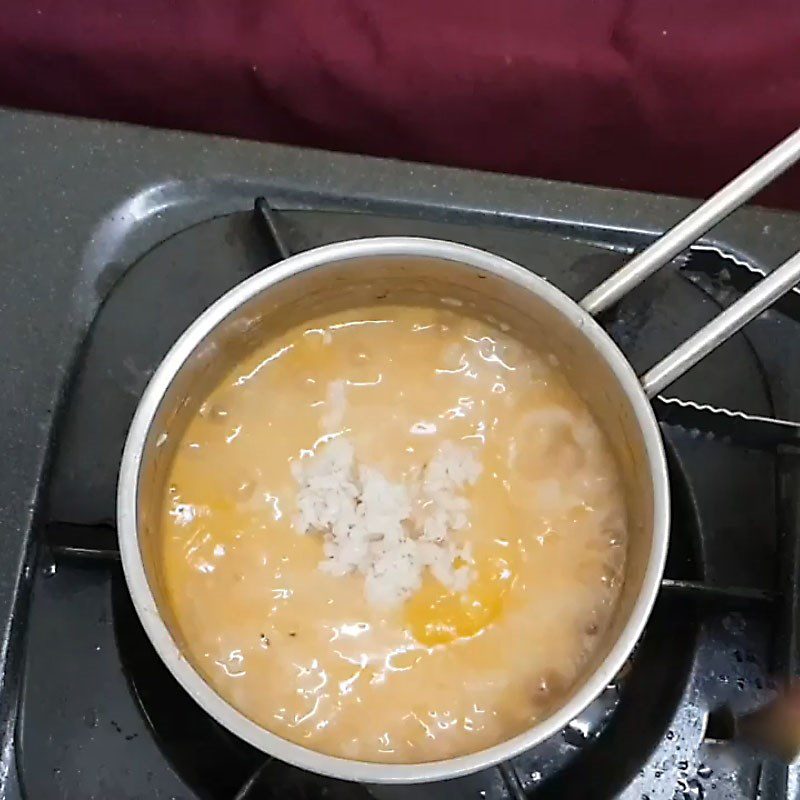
(393, 534)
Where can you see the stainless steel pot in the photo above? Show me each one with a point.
(399, 269)
(426, 271)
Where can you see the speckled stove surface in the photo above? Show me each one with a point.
(114, 238)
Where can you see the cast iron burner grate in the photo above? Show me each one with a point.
(97, 700)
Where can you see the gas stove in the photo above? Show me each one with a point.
(115, 238)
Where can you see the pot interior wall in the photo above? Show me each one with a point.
(413, 280)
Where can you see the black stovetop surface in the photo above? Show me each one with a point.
(127, 234)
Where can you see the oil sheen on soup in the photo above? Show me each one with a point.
(454, 666)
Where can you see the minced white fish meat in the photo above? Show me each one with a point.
(388, 532)
(336, 405)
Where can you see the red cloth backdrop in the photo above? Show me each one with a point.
(663, 95)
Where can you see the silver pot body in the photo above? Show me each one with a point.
(402, 270)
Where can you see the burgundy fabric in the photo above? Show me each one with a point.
(647, 94)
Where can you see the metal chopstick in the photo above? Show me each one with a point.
(677, 239)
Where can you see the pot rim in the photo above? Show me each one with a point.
(191, 680)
